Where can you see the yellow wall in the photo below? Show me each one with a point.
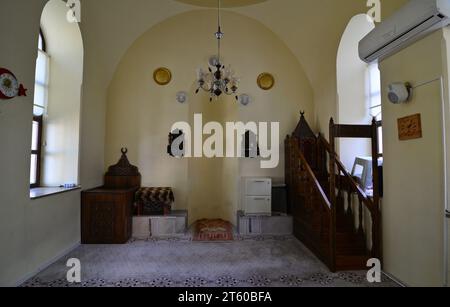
(35, 232)
(141, 113)
(32, 233)
(413, 203)
(310, 29)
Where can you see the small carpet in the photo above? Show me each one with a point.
(213, 230)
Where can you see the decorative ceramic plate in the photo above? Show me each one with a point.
(266, 81)
(244, 99)
(9, 86)
(162, 76)
(182, 97)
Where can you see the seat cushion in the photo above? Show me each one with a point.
(154, 200)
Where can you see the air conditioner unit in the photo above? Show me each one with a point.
(412, 22)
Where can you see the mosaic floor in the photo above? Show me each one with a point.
(181, 262)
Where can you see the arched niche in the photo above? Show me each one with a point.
(141, 113)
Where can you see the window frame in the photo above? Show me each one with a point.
(45, 84)
(37, 152)
(39, 120)
(44, 43)
(374, 93)
(371, 95)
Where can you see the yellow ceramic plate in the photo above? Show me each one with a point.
(162, 76)
(266, 81)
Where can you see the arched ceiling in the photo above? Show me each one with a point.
(310, 28)
(225, 3)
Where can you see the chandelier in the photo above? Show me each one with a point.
(218, 79)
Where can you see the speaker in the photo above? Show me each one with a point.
(399, 92)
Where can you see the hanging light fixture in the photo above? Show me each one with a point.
(218, 79)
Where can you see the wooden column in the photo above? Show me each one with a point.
(332, 196)
(376, 215)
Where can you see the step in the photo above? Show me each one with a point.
(173, 224)
(351, 263)
(277, 224)
(348, 244)
(351, 252)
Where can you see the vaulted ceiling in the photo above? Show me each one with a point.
(310, 28)
(225, 3)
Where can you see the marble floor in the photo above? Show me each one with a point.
(180, 262)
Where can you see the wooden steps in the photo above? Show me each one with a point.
(323, 221)
(351, 262)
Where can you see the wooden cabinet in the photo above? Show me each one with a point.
(107, 212)
(106, 216)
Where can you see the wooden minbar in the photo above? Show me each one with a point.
(303, 139)
(107, 211)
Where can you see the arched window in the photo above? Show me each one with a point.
(359, 89)
(41, 78)
(57, 100)
(40, 103)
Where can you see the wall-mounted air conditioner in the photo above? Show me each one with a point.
(412, 22)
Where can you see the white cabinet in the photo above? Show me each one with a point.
(258, 187)
(258, 204)
(256, 196)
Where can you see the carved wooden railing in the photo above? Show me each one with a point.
(322, 195)
(312, 211)
(371, 204)
(346, 190)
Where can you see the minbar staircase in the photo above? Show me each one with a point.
(333, 216)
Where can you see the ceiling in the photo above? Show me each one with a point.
(311, 29)
(225, 3)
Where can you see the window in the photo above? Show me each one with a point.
(40, 102)
(358, 89)
(374, 82)
(42, 43)
(41, 79)
(250, 145)
(57, 101)
(36, 144)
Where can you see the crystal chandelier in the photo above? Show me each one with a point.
(218, 79)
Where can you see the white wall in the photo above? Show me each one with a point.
(31, 232)
(62, 119)
(352, 77)
(413, 204)
(446, 72)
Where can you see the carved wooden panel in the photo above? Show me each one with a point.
(106, 216)
(102, 221)
(410, 127)
(123, 175)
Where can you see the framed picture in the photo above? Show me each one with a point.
(410, 127)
